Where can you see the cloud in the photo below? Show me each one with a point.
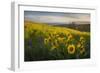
(46, 17)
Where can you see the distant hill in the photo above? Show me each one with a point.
(81, 26)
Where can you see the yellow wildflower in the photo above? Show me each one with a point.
(45, 41)
(82, 50)
(71, 49)
(53, 47)
(81, 38)
(79, 45)
(69, 37)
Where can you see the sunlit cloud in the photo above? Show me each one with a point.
(47, 17)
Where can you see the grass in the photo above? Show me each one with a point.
(48, 42)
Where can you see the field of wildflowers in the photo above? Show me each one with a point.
(48, 42)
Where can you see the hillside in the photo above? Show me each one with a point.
(47, 42)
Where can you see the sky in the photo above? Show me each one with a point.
(56, 17)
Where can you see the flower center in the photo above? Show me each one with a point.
(71, 49)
